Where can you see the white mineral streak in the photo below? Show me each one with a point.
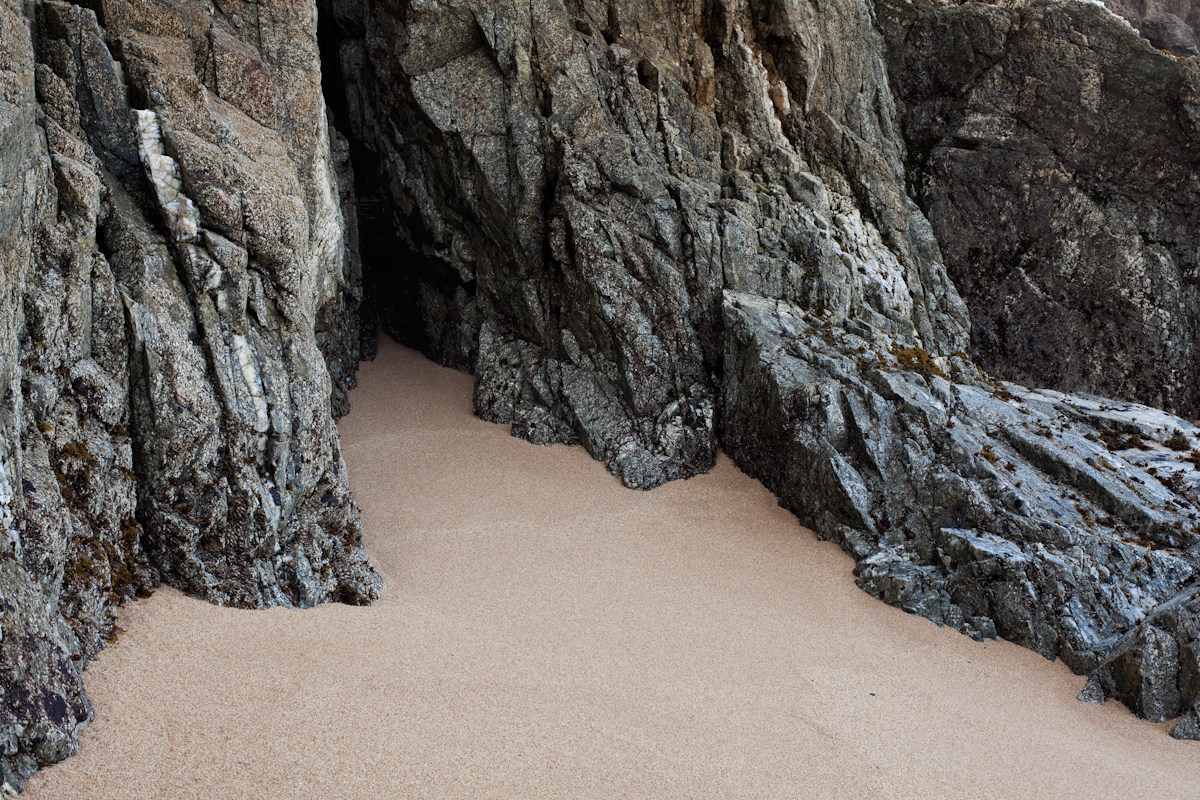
(779, 96)
(207, 271)
(7, 522)
(766, 103)
(182, 216)
(245, 358)
(266, 493)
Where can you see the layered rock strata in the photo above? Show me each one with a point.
(173, 244)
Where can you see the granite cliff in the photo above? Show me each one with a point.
(799, 232)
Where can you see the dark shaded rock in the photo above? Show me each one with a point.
(1168, 32)
(1143, 676)
(41, 697)
(1152, 669)
(1093, 691)
(1188, 726)
(1062, 189)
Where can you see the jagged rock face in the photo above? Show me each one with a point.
(1056, 521)
(177, 292)
(576, 183)
(648, 228)
(1154, 669)
(1056, 157)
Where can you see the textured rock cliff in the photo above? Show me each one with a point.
(1055, 155)
(647, 228)
(578, 183)
(653, 228)
(177, 294)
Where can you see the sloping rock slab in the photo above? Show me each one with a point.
(1061, 522)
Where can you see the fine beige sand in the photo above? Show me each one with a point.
(546, 633)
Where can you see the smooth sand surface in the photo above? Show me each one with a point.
(548, 633)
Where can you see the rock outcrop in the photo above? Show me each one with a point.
(1055, 156)
(794, 231)
(1059, 522)
(177, 292)
(576, 184)
(1169, 25)
(651, 230)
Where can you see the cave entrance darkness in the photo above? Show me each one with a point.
(373, 231)
(391, 268)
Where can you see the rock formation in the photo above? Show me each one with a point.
(1169, 26)
(652, 230)
(794, 231)
(579, 183)
(1059, 522)
(1053, 153)
(177, 294)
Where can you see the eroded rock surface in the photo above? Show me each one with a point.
(173, 241)
(1056, 158)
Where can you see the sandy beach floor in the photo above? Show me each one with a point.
(546, 633)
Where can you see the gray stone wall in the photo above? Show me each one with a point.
(174, 243)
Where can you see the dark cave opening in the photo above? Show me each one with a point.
(400, 280)
(370, 210)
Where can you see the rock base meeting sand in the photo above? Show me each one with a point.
(546, 633)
